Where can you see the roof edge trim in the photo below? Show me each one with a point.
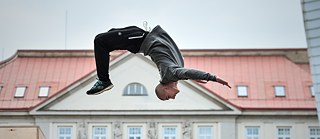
(8, 60)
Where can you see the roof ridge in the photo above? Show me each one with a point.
(294, 55)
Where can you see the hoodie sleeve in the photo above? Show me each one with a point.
(193, 74)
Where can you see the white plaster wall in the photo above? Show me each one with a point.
(135, 69)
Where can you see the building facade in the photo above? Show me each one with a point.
(311, 14)
(271, 96)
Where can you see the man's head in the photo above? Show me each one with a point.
(167, 91)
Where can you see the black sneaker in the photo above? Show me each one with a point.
(99, 87)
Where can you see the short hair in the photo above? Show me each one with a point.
(159, 90)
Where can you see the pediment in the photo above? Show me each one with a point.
(128, 69)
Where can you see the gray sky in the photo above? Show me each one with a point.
(193, 24)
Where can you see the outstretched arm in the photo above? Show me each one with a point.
(197, 75)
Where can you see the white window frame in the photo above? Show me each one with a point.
(135, 135)
(1, 88)
(205, 136)
(213, 126)
(64, 136)
(242, 90)
(91, 127)
(44, 91)
(175, 125)
(131, 89)
(170, 136)
(20, 91)
(316, 135)
(312, 90)
(284, 136)
(279, 90)
(55, 127)
(251, 135)
(142, 126)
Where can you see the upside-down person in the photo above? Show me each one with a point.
(159, 46)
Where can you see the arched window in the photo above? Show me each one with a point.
(135, 89)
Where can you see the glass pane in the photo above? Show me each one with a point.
(242, 90)
(279, 90)
(20, 91)
(44, 91)
(134, 89)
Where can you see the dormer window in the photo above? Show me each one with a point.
(242, 90)
(1, 89)
(312, 91)
(279, 91)
(20, 91)
(44, 91)
(135, 89)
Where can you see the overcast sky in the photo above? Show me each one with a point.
(193, 24)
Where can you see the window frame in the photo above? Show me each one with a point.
(64, 135)
(127, 90)
(276, 93)
(214, 130)
(106, 125)
(312, 90)
(313, 136)
(205, 135)
(134, 135)
(55, 129)
(284, 136)
(47, 93)
(142, 126)
(240, 94)
(163, 125)
(1, 88)
(17, 93)
(170, 136)
(252, 135)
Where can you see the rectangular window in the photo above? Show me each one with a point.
(64, 132)
(99, 132)
(205, 132)
(43, 91)
(134, 133)
(252, 133)
(314, 132)
(279, 90)
(312, 91)
(169, 132)
(20, 91)
(284, 133)
(242, 90)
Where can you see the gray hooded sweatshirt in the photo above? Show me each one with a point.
(166, 55)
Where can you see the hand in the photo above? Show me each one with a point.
(222, 82)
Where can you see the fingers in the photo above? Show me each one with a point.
(228, 85)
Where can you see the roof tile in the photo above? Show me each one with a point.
(259, 72)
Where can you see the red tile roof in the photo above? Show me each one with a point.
(34, 68)
(258, 69)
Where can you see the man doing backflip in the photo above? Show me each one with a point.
(159, 46)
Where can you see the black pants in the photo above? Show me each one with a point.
(128, 38)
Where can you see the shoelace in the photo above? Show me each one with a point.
(98, 83)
